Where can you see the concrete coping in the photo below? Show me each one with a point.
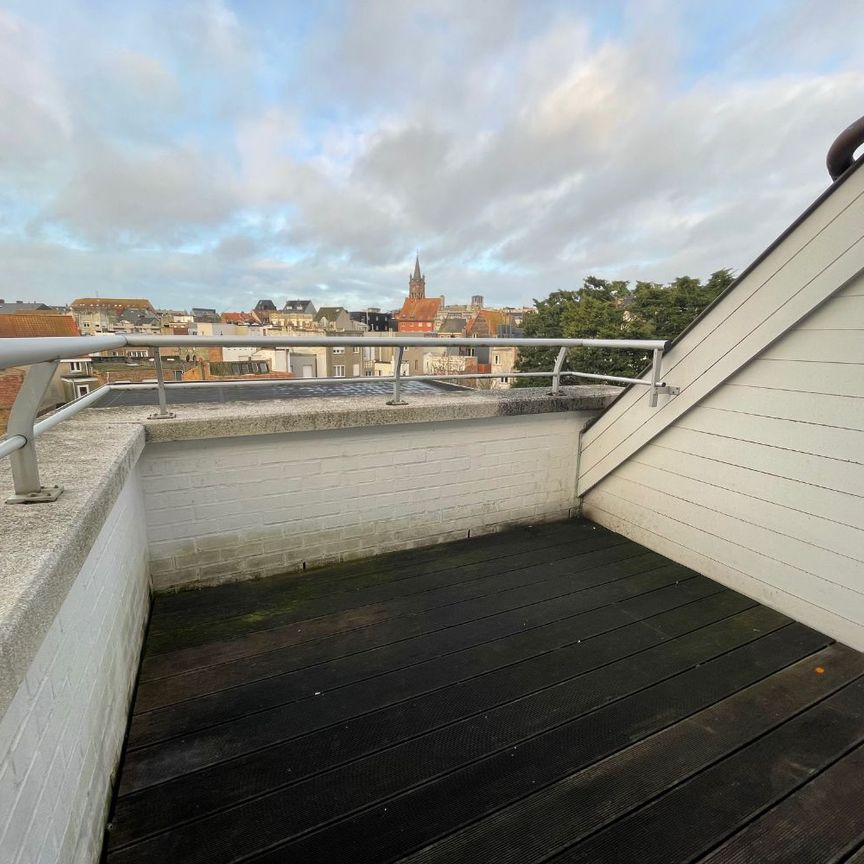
(267, 417)
(43, 546)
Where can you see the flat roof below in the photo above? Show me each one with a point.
(554, 693)
(260, 392)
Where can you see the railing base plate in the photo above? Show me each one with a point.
(394, 402)
(45, 495)
(166, 416)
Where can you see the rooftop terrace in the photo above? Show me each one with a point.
(555, 693)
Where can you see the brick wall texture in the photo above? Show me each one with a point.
(237, 508)
(61, 736)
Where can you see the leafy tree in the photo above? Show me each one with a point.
(603, 309)
(669, 309)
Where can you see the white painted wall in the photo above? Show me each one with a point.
(761, 484)
(61, 736)
(239, 508)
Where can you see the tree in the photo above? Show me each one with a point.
(603, 309)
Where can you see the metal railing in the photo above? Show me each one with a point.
(43, 355)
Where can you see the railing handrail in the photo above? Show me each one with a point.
(43, 354)
(24, 351)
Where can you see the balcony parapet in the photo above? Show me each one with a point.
(235, 419)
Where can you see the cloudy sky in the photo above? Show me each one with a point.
(211, 153)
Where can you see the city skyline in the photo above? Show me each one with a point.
(288, 150)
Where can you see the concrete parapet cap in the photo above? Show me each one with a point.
(43, 546)
(266, 417)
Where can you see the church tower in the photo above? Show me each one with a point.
(416, 282)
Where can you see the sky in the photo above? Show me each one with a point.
(212, 153)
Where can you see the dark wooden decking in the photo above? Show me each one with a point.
(548, 694)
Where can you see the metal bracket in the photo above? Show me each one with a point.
(45, 495)
(25, 467)
(663, 389)
(163, 413)
(397, 380)
(659, 386)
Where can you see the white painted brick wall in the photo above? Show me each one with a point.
(237, 508)
(61, 736)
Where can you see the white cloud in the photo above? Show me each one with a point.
(520, 146)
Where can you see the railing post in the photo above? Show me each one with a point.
(25, 466)
(163, 413)
(397, 380)
(556, 372)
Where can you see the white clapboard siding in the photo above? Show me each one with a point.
(842, 445)
(823, 253)
(806, 469)
(819, 346)
(842, 313)
(819, 504)
(838, 379)
(800, 541)
(840, 412)
(760, 485)
(792, 562)
(823, 607)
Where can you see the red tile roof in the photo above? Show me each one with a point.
(419, 310)
(486, 323)
(37, 324)
(239, 318)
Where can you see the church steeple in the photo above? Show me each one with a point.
(417, 282)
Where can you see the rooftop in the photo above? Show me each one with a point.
(554, 692)
(118, 304)
(256, 393)
(24, 324)
(419, 310)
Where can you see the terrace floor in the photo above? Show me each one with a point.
(554, 693)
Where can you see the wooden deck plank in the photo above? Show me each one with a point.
(175, 612)
(268, 769)
(818, 824)
(449, 703)
(760, 774)
(279, 661)
(615, 582)
(582, 803)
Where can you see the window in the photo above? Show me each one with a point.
(75, 366)
(339, 371)
(338, 350)
(355, 349)
(82, 389)
(497, 361)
